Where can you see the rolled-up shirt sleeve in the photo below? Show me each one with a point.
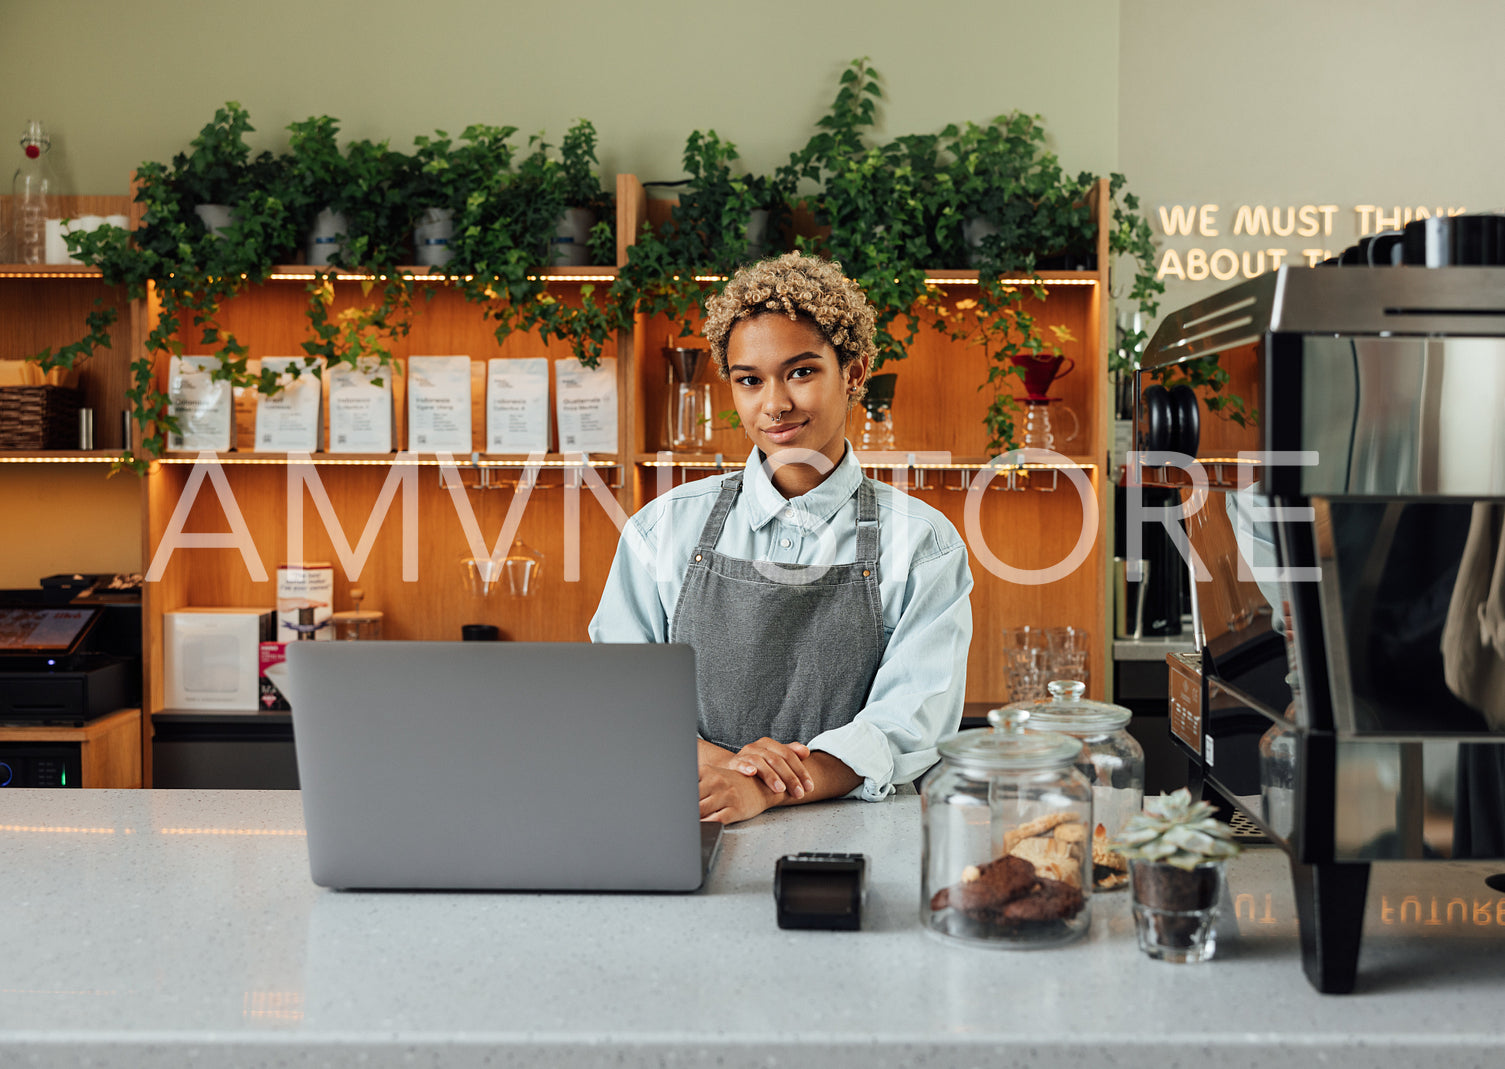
(920, 686)
(631, 608)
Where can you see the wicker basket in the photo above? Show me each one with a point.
(39, 417)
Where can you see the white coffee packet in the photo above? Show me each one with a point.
(517, 405)
(201, 403)
(288, 421)
(586, 402)
(360, 406)
(439, 404)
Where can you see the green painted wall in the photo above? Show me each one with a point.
(1388, 103)
(120, 83)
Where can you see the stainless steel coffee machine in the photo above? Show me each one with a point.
(1348, 558)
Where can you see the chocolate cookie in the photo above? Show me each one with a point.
(1049, 900)
(994, 884)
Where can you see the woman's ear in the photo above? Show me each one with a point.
(856, 374)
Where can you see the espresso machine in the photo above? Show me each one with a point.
(1347, 555)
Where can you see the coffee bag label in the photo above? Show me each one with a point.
(439, 404)
(517, 405)
(201, 403)
(288, 421)
(360, 406)
(586, 406)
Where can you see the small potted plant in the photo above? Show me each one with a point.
(1176, 849)
(583, 234)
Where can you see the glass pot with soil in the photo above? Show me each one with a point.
(1176, 849)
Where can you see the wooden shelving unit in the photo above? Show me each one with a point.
(1029, 519)
(109, 748)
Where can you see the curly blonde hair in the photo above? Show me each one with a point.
(800, 287)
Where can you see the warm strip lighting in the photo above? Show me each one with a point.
(387, 460)
(83, 272)
(302, 275)
(1013, 282)
(884, 466)
(56, 829)
(293, 832)
(21, 458)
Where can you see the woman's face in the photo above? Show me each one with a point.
(791, 393)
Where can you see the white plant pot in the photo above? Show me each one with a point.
(973, 231)
(216, 217)
(325, 237)
(757, 233)
(432, 237)
(571, 246)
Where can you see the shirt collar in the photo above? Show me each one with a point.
(763, 502)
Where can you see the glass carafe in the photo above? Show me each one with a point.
(1044, 430)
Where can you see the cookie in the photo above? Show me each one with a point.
(1050, 900)
(1039, 826)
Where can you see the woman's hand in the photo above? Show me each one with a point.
(780, 765)
(727, 795)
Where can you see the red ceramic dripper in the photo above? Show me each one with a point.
(1040, 370)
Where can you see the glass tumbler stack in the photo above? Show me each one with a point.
(1033, 656)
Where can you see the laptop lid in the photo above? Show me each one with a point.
(498, 765)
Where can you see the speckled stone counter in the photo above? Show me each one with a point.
(154, 928)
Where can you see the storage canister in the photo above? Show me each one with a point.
(1007, 837)
(1112, 761)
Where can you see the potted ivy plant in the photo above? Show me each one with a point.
(583, 234)
(317, 185)
(1176, 850)
(722, 220)
(216, 175)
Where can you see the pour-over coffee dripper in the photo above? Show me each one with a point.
(1040, 370)
(687, 419)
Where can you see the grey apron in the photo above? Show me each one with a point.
(786, 651)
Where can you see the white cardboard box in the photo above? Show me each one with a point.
(211, 657)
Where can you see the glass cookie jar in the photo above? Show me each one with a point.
(1006, 860)
(1112, 761)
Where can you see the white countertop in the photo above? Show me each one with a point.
(180, 927)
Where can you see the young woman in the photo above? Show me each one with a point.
(829, 613)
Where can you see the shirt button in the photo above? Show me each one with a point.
(784, 542)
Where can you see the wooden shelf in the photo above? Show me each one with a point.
(109, 748)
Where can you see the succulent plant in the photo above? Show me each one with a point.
(1177, 831)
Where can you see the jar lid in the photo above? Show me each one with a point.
(357, 615)
(1007, 746)
(1068, 710)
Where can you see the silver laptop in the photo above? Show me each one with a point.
(499, 765)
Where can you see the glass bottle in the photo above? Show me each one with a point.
(30, 189)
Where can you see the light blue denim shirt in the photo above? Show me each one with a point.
(925, 582)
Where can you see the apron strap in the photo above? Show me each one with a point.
(710, 534)
(867, 526)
